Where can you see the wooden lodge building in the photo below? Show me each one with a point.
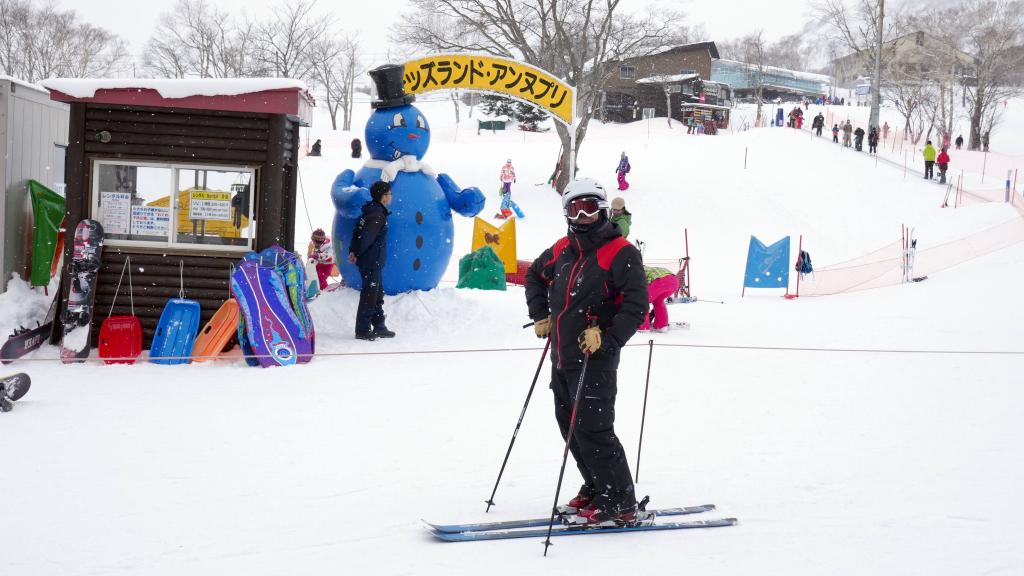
(674, 82)
(186, 176)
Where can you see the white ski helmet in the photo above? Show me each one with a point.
(584, 187)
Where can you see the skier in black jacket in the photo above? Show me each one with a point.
(588, 293)
(368, 250)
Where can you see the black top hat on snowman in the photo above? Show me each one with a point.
(390, 87)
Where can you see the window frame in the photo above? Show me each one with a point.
(172, 228)
(623, 68)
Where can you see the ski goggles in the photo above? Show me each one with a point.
(584, 207)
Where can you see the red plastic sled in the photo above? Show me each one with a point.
(121, 339)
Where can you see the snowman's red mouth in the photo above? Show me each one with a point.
(414, 136)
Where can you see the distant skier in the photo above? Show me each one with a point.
(929, 160)
(959, 141)
(620, 216)
(507, 178)
(357, 148)
(847, 133)
(835, 133)
(321, 254)
(368, 251)
(588, 294)
(943, 163)
(858, 138)
(622, 170)
(818, 124)
(661, 283)
(314, 150)
(885, 131)
(873, 140)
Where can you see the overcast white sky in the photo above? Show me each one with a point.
(133, 20)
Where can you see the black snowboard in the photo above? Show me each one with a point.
(25, 340)
(12, 388)
(77, 315)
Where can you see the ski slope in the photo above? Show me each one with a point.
(837, 462)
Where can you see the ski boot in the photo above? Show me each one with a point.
(624, 511)
(579, 502)
(383, 332)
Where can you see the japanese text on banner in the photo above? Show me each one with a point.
(489, 74)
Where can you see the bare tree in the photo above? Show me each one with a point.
(577, 40)
(284, 40)
(337, 62)
(855, 26)
(40, 42)
(993, 31)
(753, 50)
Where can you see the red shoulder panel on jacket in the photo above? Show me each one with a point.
(556, 250)
(607, 253)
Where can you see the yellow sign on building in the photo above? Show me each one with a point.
(502, 240)
(490, 74)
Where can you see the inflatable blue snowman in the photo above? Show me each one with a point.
(420, 228)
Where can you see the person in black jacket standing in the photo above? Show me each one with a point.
(368, 251)
(588, 293)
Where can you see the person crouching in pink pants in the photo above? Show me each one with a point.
(661, 283)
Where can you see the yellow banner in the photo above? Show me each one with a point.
(211, 195)
(489, 74)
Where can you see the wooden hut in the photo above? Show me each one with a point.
(225, 150)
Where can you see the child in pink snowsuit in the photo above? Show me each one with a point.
(661, 283)
(622, 170)
(320, 252)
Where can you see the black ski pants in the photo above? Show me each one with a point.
(599, 455)
(818, 130)
(371, 300)
(929, 169)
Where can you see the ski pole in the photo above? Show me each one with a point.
(565, 453)
(490, 501)
(643, 417)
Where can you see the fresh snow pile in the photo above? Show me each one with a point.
(837, 462)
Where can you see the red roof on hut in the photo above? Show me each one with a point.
(257, 95)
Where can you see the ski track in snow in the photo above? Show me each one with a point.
(834, 463)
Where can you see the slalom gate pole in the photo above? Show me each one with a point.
(643, 416)
(565, 453)
(984, 165)
(490, 501)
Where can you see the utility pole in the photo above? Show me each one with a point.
(876, 80)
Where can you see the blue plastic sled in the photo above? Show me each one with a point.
(176, 332)
(271, 329)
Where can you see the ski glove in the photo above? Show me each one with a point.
(590, 340)
(542, 327)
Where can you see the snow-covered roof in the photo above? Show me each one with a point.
(665, 79)
(21, 82)
(172, 88)
(810, 76)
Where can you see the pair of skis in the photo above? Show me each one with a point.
(538, 527)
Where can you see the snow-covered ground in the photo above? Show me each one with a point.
(834, 462)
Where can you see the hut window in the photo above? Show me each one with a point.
(159, 205)
(627, 72)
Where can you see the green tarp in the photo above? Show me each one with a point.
(482, 269)
(48, 212)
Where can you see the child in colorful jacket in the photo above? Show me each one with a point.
(661, 283)
(622, 170)
(321, 253)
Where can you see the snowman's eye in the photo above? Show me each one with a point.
(398, 120)
(421, 123)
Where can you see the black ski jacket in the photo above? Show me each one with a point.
(599, 273)
(370, 237)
